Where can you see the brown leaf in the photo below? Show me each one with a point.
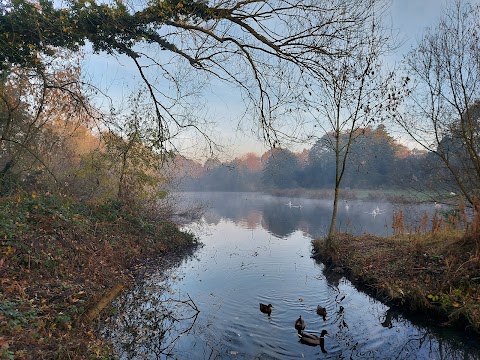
(3, 342)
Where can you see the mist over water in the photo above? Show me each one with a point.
(256, 249)
(282, 216)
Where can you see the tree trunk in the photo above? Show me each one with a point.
(6, 181)
(333, 223)
(338, 176)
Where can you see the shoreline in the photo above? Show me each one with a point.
(63, 265)
(410, 276)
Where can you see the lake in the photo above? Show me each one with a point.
(257, 249)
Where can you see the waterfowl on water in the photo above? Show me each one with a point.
(314, 340)
(266, 309)
(300, 325)
(322, 312)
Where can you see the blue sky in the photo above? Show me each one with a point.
(118, 77)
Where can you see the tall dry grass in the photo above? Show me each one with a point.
(460, 226)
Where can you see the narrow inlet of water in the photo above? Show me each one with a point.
(257, 250)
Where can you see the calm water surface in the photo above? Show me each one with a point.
(257, 249)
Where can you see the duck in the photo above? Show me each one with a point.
(300, 325)
(314, 340)
(322, 312)
(266, 309)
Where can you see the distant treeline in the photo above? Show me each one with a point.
(376, 161)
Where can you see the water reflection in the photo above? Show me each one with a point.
(257, 250)
(312, 216)
(150, 318)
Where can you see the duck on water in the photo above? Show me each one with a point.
(266, 309)
(314, 340)
(300, 325)
(322, 312)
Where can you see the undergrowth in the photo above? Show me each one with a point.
(58, 256)
(433, 268)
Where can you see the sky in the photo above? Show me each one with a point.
(223, 104)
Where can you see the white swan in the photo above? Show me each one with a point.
(376, 211)
(293, 206)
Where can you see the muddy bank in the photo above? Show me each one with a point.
(436, 276)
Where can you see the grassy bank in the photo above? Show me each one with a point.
(436, 274)
(60, 260)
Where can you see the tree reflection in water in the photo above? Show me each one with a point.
(441, 343)
(148, 320)
(242, 265)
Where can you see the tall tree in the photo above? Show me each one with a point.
(352, 93)
(372, 159)
(369, 165)
(443, 114)
(242, 42)
(281, 170)
(320, 170)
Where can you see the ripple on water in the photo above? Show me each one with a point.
(237, 269)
